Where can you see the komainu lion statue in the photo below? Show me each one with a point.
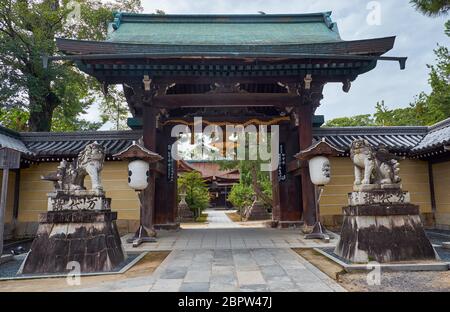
(70, 176)
(374, 166)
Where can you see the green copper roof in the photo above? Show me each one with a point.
(223, 29)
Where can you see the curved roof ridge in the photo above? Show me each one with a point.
(440, 125)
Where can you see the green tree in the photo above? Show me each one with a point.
(355, 121)
(27, 31)
(241, 196)
(197, 194)
(114, 108)
(432, 7)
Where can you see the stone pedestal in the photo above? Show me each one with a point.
(257, 212)
(89, 237)
(382, 226)
(78, 200)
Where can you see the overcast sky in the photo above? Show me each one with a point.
(417, 36)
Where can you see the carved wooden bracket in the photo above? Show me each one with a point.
(292, 88)
(346, 85)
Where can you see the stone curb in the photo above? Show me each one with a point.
(401, 267)
(123, 270)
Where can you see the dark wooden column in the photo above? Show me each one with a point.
(287, 204)
(148, 195)
(166, 184)
(305, 114)
(311, 94)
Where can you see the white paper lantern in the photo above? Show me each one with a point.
(138, 174)
(319, 170)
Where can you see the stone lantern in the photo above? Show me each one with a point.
(139, 161)
(184, 212)
(317, 156)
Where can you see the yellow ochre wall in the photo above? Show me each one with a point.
(33, 191)
(33, 199)
(415, 179)
(441, 177)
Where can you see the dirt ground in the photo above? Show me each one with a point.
(389, 281)
(145, 266)
(234, 216)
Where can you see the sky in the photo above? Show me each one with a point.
(417, 36)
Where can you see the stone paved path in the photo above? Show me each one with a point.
(266, 269)
(219, 219)
(222, 233)
(227, 257)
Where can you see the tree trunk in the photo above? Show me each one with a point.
(41, 118)
(257, 188)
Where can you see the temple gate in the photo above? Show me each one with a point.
(230, 68)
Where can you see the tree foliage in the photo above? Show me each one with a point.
(432, 7)
(425, 110)
(241, 196)
(27, 31)
(114, 108)
(197, 193)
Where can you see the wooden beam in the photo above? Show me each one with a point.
(226, 100)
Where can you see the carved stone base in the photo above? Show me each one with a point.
(257, 212)
(383, 233)
(89, 237)
(77, 200)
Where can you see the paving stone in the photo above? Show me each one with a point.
(174, 273)
(194, 287)
(167, 285)
(282, 286)
(254, 288)
(250, 278)
(197, 276)
(274, 272)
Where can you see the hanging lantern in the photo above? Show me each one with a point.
(138, 174)
(139, 159)
(317, 156)
(319, 170)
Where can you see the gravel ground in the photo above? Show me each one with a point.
(399, 282)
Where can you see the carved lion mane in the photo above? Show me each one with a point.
(90, 162)
(374, 166)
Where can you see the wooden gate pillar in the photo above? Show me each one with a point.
(148, 195)
(166, 204)
(305, 114)
(287, 210)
